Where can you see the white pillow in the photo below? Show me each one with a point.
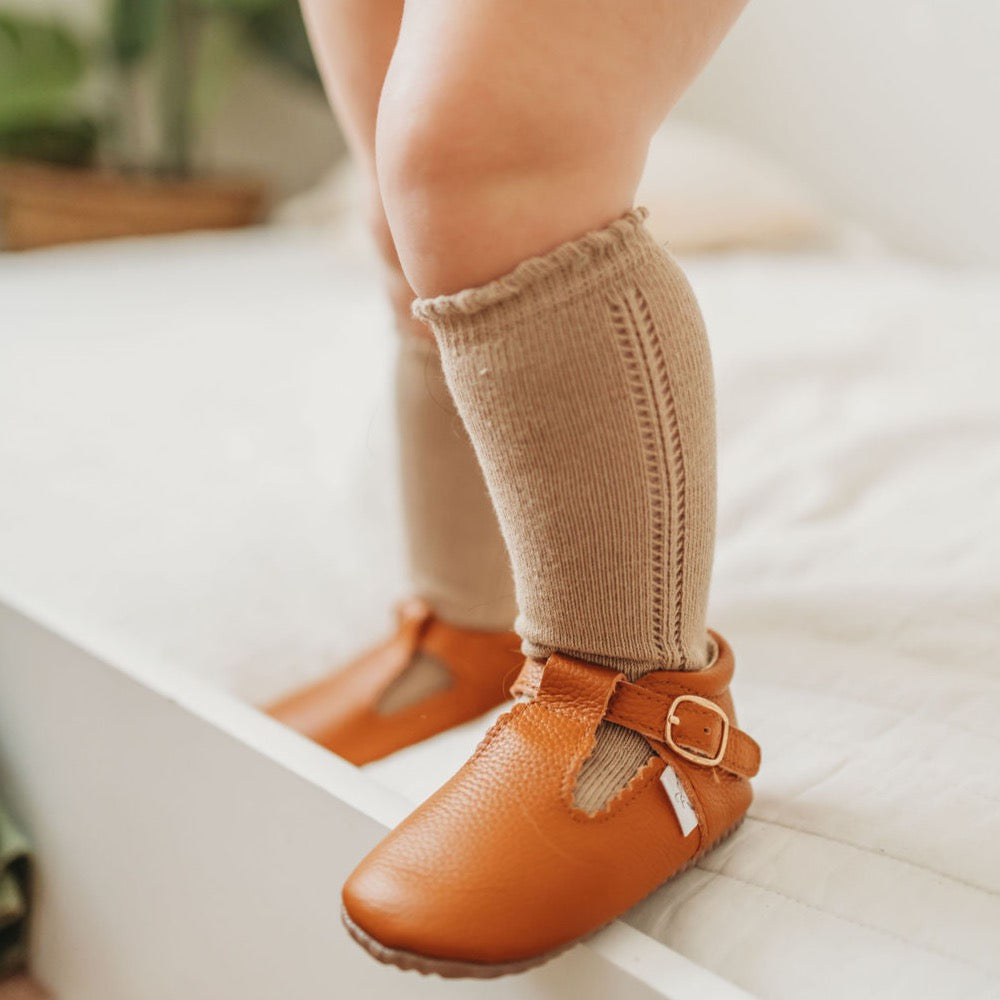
(707, 191)
(333, 198)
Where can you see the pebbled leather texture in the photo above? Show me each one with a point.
(499, 866)
(340, 711)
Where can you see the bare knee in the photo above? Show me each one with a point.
(508, 126)
(469, 194)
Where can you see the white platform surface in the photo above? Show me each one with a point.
(196, 460)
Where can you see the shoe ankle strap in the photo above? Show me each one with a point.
(678, 722)
(693, 727)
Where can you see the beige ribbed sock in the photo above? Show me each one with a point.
(584, 378)
(456, 555)
(457, 558)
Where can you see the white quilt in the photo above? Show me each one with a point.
(196, 451)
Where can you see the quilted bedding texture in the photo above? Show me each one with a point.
(197, 454)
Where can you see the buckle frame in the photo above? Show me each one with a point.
(673, 720)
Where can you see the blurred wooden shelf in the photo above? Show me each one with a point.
(42, 205)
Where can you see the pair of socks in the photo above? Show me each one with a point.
(579, 389)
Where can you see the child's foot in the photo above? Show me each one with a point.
(500, 870)
(427, 677)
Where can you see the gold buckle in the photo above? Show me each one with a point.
(673, 720)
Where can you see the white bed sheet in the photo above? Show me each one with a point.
(196, 451)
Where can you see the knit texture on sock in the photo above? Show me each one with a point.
(456, 555)
(584, 379)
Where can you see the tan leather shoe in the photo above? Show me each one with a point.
(499, 870)
(341, 711)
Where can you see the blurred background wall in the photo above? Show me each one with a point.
(887, 107)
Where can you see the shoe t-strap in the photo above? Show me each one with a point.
(528, 680)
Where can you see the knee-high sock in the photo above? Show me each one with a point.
(457, 558)
(584, 378)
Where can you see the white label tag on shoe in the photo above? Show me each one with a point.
(683, 809)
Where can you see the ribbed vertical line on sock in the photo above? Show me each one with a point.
(584, 378)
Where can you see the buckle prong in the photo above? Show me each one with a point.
(674, 720)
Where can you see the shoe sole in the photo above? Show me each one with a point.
(453, 969)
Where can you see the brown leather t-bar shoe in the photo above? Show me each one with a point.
(499, 870)
(342, 711)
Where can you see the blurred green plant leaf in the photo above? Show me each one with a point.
(69, 142)
(242, 6)
(40, 64)
(133, 27)
(221, 53)
(278, 31)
